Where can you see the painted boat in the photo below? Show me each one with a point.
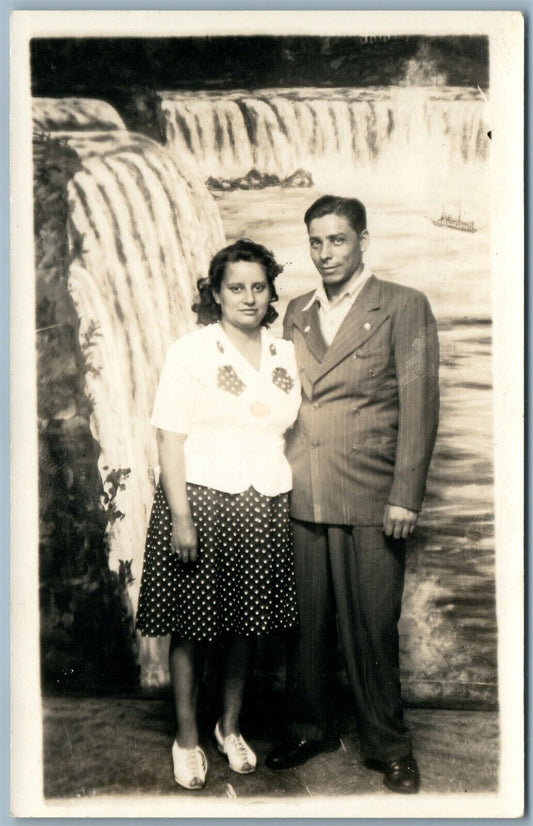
(447, 220)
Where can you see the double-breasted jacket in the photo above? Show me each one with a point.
(370, 401)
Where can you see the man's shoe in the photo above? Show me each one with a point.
(402, 775)
(294, 752)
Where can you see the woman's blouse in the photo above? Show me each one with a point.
(234, 416)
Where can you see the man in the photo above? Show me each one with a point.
(367, 352)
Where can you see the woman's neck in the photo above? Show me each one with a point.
(241, 338)
(247, 342)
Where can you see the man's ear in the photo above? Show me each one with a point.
(364, 239)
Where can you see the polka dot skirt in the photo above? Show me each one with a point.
(243, 579)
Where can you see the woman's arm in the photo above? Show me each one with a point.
(172, 464)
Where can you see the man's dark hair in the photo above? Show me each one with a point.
(206, 307)
(350, 208)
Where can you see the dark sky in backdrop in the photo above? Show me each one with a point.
(96, 66)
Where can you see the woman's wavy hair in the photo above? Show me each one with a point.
(244, 249)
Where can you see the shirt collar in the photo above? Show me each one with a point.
(350, 293)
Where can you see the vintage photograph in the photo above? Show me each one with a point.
(259, 328)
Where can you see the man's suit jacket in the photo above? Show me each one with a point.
(368, 421)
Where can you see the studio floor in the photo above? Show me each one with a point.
(121, 745)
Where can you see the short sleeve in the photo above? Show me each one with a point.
(291, 358)
(175, 397)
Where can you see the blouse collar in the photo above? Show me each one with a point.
(228, 348)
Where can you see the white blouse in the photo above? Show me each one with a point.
(234, 416)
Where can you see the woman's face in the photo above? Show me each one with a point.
(244, 295)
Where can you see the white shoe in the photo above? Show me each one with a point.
(240, 756)
(190, 766)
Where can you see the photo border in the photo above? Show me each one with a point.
(508, 299)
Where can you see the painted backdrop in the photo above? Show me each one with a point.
(165, 177)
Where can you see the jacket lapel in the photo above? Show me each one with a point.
(361, 322)
(308, 324)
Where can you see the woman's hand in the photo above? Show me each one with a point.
(183, 541)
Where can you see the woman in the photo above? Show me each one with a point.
(218, 560)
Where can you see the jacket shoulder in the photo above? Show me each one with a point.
(297, 304)
(399, 293)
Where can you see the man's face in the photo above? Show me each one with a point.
(337, 250)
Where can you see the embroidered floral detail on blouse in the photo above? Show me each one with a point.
(227, 379)
(281, 379)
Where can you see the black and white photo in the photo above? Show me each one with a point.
(267, 350)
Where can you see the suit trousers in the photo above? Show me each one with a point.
(348, 579)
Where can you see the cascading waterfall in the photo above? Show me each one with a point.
(142, 231)
(279, 131)
(51, 114)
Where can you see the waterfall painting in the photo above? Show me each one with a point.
(146, 142)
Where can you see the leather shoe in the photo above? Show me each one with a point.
(294, 752)
(400, 775)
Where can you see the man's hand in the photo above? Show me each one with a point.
(183, 541)
(398, 522)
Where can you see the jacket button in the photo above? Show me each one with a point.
(315, 444)
(355, 450)
(316, 405)
(355, 355)
(355, 411)
(371, 372)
